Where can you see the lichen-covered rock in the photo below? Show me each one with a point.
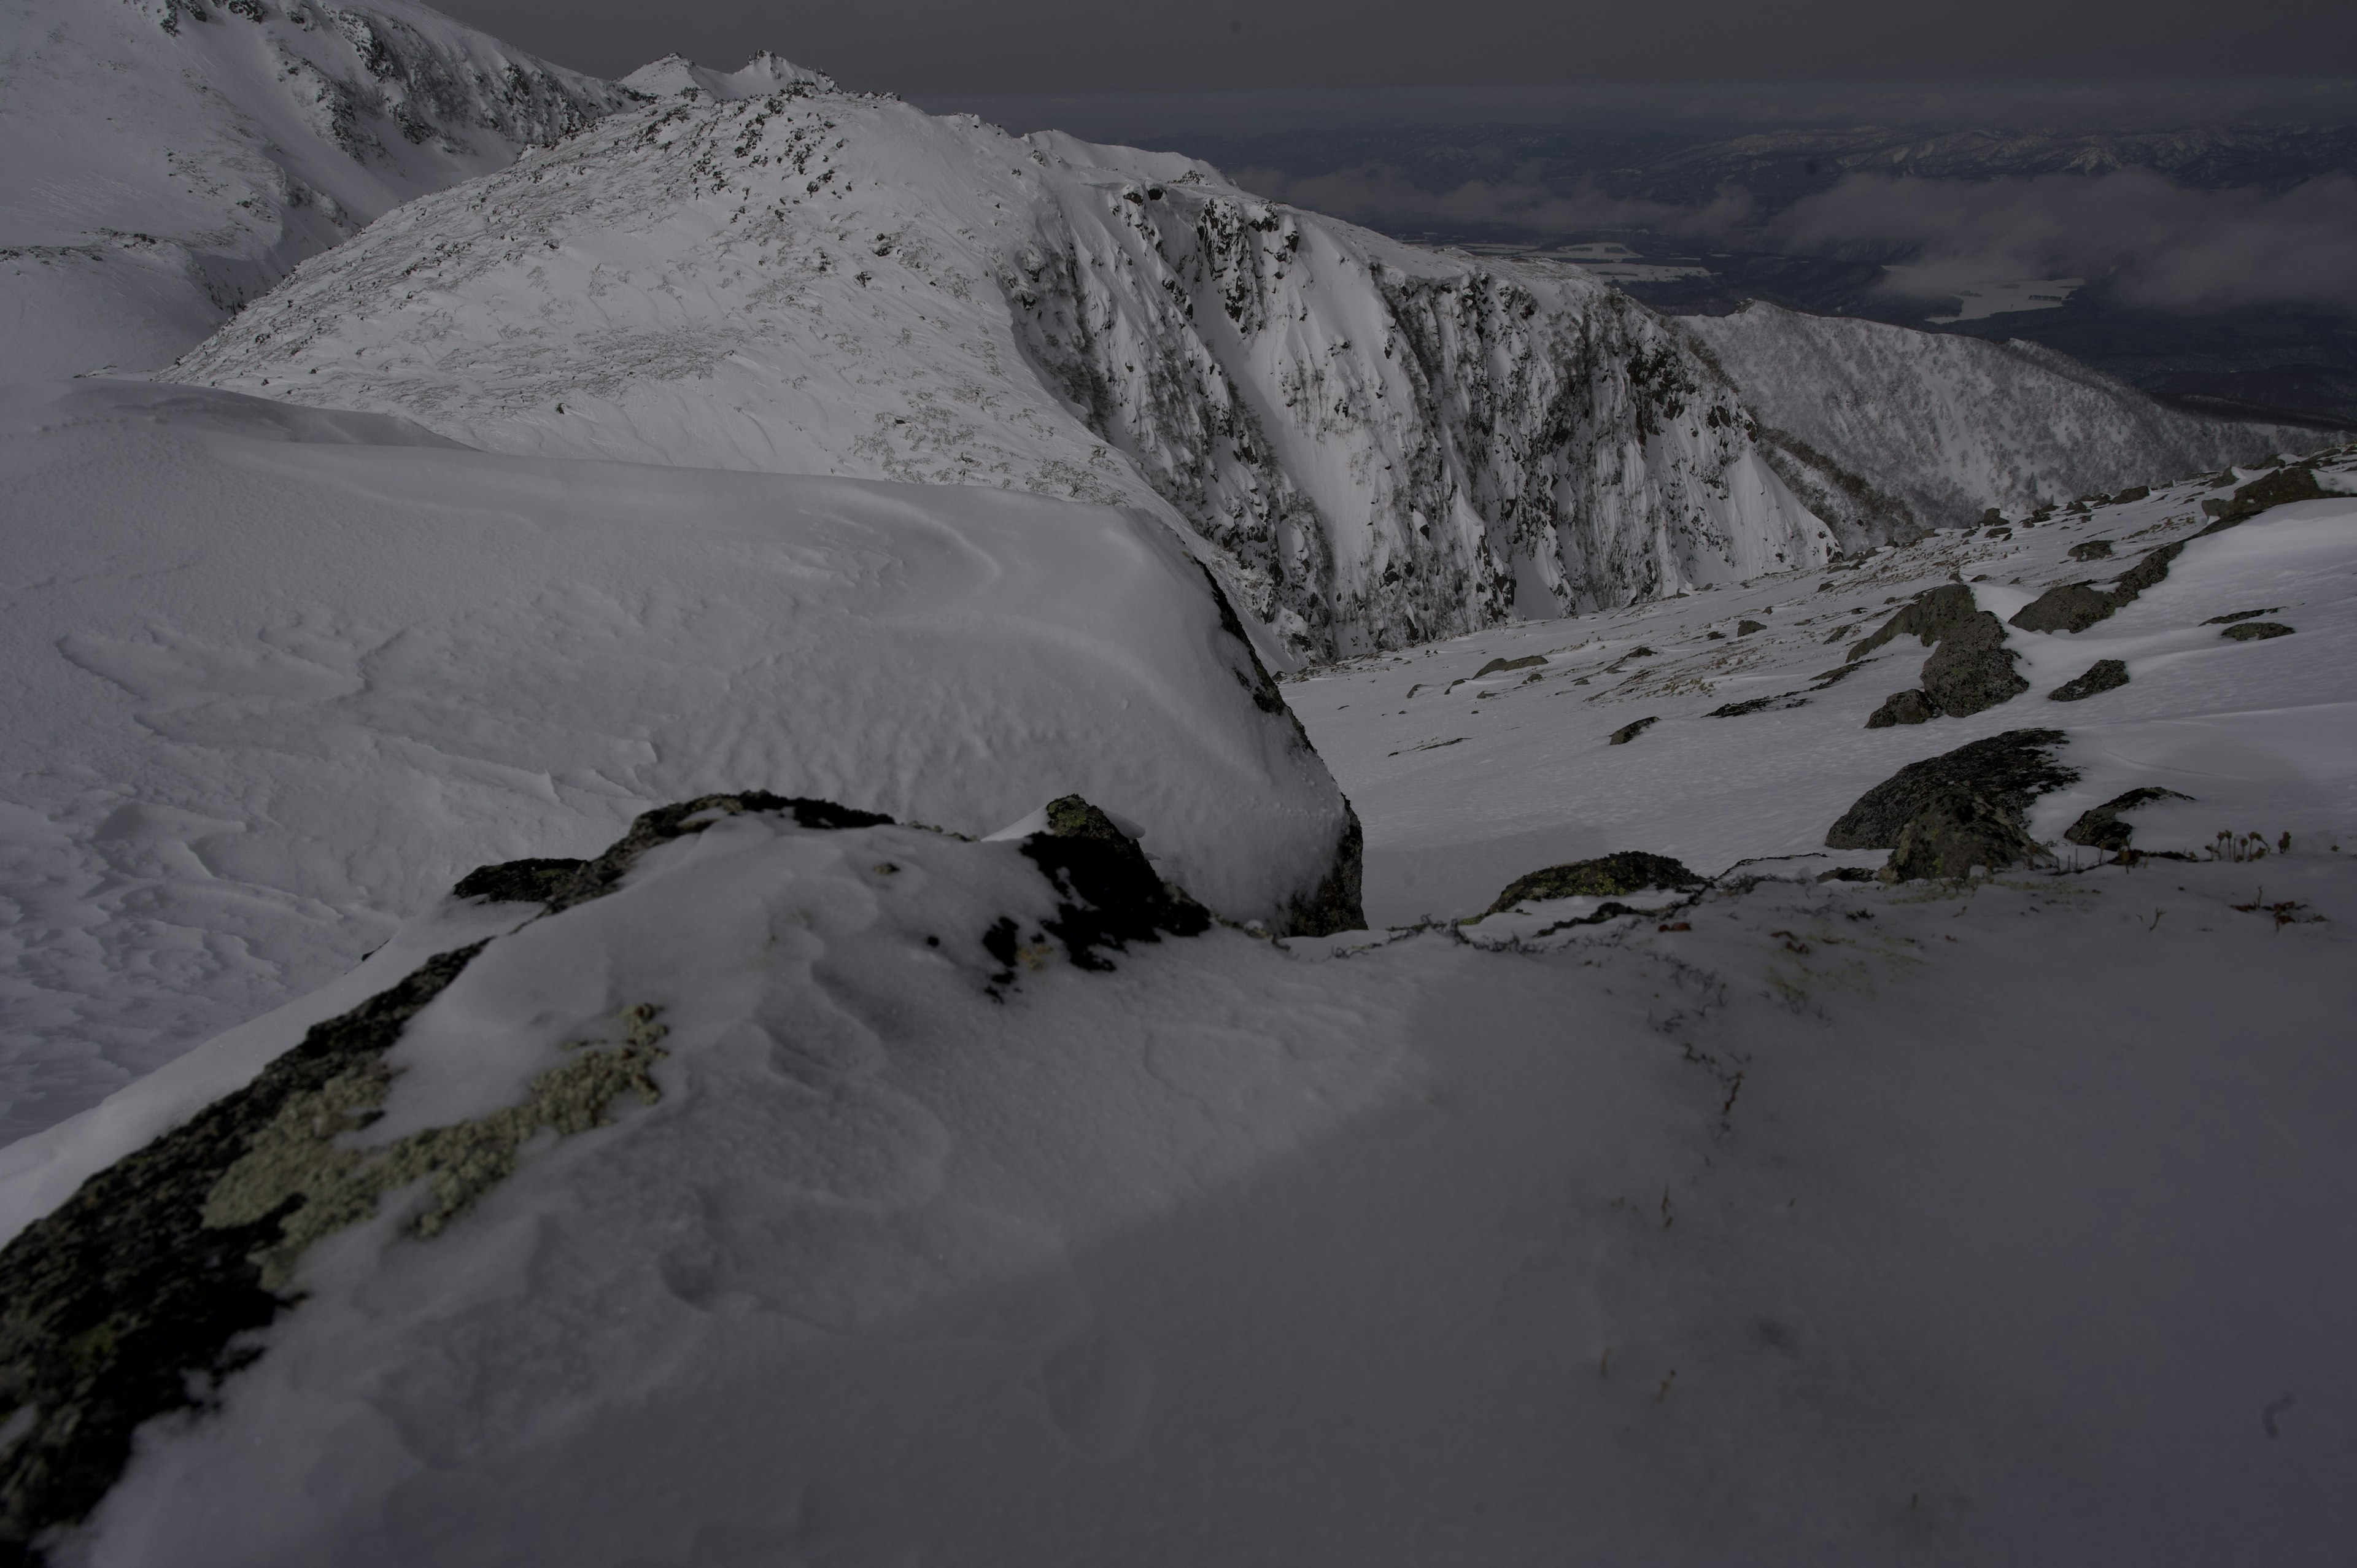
(2005, 772)
(1971, 668)
(2100, 827)
(2103, 675)
(1606, 877)
(1907, 707)
(2255, 631)
(1746, 628)
(1956, 833)
(135, 1298)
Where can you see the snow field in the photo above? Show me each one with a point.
(1463, 790)
(275, 678)
(1830, 1225)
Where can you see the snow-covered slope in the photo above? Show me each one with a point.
(170, 159)
(272, 680)
(1390, 444)
(761, 1210)
(1889, 431)
(1465, 780)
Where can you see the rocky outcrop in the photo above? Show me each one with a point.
(2100, 827)
(2102, 675)
(1605, 877)
(1968, 806)
(141, 1292)
(1970, 670)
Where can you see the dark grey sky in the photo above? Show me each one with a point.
(919, 47)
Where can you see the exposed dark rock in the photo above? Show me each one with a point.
(2242, 615)
(1110, 893)
(1907, 707)
(1757, 705)
(129, 1301)
(2100, 828)
(518, 881)
(2256, 631)
(2133, 493)
(2279, 488)
(2150, 570)
(1335, 905)
(1630, 732)
(2066, 607)
(1746, 628)
(2103, 675)
(1930, 616)
(1971, 670)
(1606, 877)
(594, 879)
(1839, 672)
(1499, 666)
(1956, 833)
(1965, 808)
(2092, 549)
(1841, 631)
(2075, 607)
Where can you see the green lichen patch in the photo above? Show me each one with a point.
(141, 1293)
(126, 1303)
(298, 1171)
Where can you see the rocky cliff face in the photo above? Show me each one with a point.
(1889, 431)
(1385, 445)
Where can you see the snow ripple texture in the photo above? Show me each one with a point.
(1388, 444)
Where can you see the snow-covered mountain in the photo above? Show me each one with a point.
(1887, 431)
(1392, 444)
(168, 160)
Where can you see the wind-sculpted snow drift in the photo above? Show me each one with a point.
(171, 160)
(1389, 445)
(331, 662)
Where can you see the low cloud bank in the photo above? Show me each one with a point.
(2163, 246)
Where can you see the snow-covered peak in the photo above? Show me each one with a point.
(169, 161)
(1387, 443)
(674, 76)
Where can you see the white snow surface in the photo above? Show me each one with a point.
(1466, 783)
(1940, 426)
(1794, 1223)
(274, 678)
(765, 73)
(1388, 444)
(169, 160)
